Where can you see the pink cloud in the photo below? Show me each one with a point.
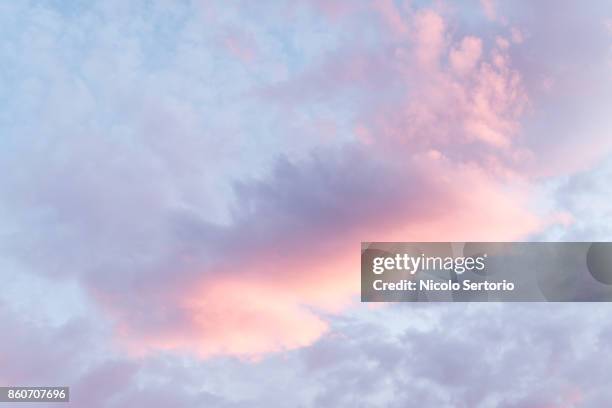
(293, 259)
(465, 56)
(489, 8)
(469, 99)
(432, 155)
(429, 38)
(392, 17)
(439, 165)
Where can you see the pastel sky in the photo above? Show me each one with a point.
(184, 186)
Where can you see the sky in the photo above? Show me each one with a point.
(184, 187)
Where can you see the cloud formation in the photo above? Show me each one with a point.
(133, 190)
(202, 174)
(520, 355)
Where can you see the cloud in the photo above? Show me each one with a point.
(32, 354)
(463, 58)
(190, 243)
(428, 90)
(249, 280)
(426, 362)
(201, 175)
(583, 196)
(552, 354)
(569, 79)
(189, 194)
(489, 8)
